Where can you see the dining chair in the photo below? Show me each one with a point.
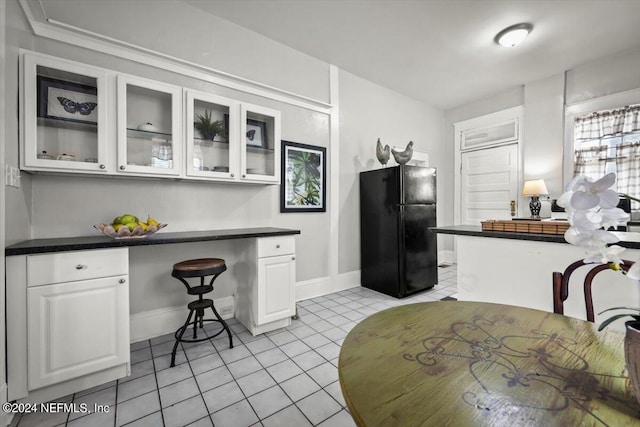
(561, 285)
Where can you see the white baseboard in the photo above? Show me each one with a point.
(348, 280)
(153, 323)
(446, 256)
(324, 285)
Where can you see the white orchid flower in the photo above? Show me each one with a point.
(594, 219)
(607, 254)
(590, 239)
(588, 194)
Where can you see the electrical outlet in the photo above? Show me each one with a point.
(12, 176)
(226, 310)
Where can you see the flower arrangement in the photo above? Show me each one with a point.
(207, 127)
(592, 209)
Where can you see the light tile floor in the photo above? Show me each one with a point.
(287, 377)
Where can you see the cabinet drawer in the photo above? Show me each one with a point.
(77, 265)
(274, 246)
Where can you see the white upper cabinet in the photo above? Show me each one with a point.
(212, 129)
(83, 119)
(64, 116)
(260, 144)
(149, 127)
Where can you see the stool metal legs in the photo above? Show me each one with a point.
(198, 307)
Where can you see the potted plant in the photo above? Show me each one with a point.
(592, 210)
(207, 127)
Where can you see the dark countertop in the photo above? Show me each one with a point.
(627, 240)
(37, 246)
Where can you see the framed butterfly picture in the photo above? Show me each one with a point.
(256, 133)
(69, 101)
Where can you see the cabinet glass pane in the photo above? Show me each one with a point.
(149, 138)
(210, 137)
(67, 116)
(259, 144)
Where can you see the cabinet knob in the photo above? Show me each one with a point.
(293, 258)
(278, 246)
(81, 267)
(121, 281)
(244, 176)
(102, 166)
(121, 167)
(232, 175)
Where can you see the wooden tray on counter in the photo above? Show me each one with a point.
(534, 227)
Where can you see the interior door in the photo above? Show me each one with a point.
(488, 184)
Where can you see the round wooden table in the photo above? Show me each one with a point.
(469, 363)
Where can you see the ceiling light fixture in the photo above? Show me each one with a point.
(513, 35)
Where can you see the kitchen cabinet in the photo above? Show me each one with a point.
(83, 119)
(68, 323)
(63, 108)
(245, 149)
(212, 136)
(149, 127)
(260, 144)
(267, 300)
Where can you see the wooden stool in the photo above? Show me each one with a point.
(201, 268)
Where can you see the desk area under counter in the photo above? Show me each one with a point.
(77, 303)
(516, 269)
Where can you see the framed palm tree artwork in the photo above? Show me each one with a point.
(303, 178)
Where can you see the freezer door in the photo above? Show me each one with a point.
(418, 185)
(418, 248)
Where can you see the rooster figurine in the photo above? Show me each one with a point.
(403, 157)
(382, 153)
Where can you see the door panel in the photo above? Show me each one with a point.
(419, 264)
(76, 328)
(419, 185)
(489, 180)
(276, 292)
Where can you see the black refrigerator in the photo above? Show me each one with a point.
(398, 253)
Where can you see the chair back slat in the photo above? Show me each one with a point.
(561, 285)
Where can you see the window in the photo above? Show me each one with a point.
(609, 141)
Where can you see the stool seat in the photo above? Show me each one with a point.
(199, 267)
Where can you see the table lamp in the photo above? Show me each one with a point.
(535, 188)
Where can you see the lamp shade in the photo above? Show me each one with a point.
(534, 187)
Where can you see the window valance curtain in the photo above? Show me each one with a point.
(608, 123)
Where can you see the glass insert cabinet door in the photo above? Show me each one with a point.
(64, 107)
(212, 135)
(149, 127)
(260, 143)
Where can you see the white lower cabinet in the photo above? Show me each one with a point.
(276, 295)
(267, 300)
(68, 322)
(77, 328)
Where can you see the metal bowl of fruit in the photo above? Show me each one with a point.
(129, 227)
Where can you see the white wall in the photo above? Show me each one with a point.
(542, 150)
(369, 112)
(178, 29)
